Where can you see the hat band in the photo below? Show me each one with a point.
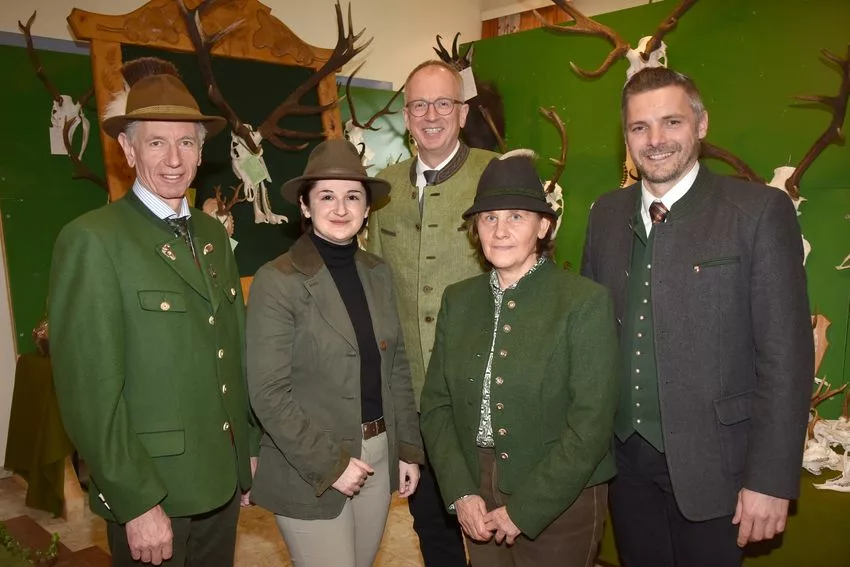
(164, 109)
(536, 194)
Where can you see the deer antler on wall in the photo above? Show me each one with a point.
(67, 114)
(587, 26)
(835, 131)
(246, 145)
(484, 129)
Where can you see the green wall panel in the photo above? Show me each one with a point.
(749, 58)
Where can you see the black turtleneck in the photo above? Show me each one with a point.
(339, 258)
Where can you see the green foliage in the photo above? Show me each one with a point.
(23, 553)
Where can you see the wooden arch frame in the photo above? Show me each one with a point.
(159, 24)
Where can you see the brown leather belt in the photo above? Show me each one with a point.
(373, 428)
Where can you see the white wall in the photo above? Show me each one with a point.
(497, 8)
(404, 30)
(8, 354)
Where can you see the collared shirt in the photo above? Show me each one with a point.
(157, 206)
(421, 166)
(485, 425)
(675, 193)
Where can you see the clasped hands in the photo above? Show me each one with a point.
(481, 525)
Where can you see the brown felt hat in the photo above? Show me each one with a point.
(161, 97)
(335, 159)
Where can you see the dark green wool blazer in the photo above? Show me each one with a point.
(553, 392)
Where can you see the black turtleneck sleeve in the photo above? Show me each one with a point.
(340, 262)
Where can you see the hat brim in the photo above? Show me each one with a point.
(378, 188)
(114, 125)
(508, 202)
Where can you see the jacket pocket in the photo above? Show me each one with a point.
(717, 262)
(387, 232)
(163, 443)
(733, 428)
(163, 301)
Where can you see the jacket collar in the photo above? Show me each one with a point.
(448, 170)
(307, 260)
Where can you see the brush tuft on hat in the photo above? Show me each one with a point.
(137, 69)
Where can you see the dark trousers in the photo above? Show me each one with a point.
(205, 540)
(649, 529)
(571, 540)
(440, 537)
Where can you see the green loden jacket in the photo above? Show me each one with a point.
(148, 361)
(553, 395)
(304, 380)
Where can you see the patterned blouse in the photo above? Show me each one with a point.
(485, 426)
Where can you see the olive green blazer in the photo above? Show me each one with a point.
(553, 391)
(147, 351)
(304, 380)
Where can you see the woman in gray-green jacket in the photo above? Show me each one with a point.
(520, 393)
(328, 376)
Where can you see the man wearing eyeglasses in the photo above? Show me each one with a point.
(420, 233)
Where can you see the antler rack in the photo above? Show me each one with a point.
(81, 171)
(345, 50)
(223, 206)
(834, 133)
(587, 26)
(385, 111)
(710, 151)
(560, 163)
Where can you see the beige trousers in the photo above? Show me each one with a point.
(351, 539)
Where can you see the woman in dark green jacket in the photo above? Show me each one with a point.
(520, 393)
(328, 376)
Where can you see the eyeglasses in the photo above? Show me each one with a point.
(443, 106)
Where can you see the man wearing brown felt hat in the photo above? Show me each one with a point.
(148, 332)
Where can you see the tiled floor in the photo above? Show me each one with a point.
(259, 544)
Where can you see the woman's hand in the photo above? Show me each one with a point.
(353, 477)
(471, 511)
(408, 478)
(499, 521)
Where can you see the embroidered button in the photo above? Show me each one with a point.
(506, 328)
(429, 319)
(503, 353)
(211, 320)
(696, 269)
(502, 432)
(511, 304)
(208, 248)
(504, 456)
(224, 388)
(500, 406)
(500, 380)
(221, 353)
(233, 292)
(225, 427)
(382, 345)
(165, 306)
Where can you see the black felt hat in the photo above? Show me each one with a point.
(510, 183)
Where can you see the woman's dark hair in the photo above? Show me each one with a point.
(545, 245)
(304, 197)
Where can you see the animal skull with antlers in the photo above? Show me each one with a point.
(246, 148)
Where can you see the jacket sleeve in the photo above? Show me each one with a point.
(439, 430)
(784, 353)
(558, 479)
(407, 419)
(270, 336)
(87, 351)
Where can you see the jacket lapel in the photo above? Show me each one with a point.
(322, 288)
(178, 257)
